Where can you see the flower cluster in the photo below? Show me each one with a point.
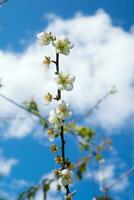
(57, 117)
(62, 45)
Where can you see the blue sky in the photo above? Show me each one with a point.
(21, 20)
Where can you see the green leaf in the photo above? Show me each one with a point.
(21, 196)
(84, 145)
(46, 187)
(32, 106)
(80, 171)
(85, 132)
(82, 167)
(98, 157)
(43, 122)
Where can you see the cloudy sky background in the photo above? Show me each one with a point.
(103, 34)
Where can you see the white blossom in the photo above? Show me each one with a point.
(45, 38)
(62, 110)
(64, 81)
(55, 120)
(67, 177)
(63, 45)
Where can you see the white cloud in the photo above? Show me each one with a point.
(102, 57)
(106, 172)
(20, 127)
(6, 165)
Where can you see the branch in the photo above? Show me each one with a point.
(23, 108)
(62, 128)
(121, 178)
(91, 110)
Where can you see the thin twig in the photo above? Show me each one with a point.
(22, 107)
(121, 178)
(14, 102)
(91, 110)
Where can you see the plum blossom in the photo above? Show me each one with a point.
(63, 45)
(55, 120)
(67, 177)
(63, 110)
(45, 38)
(64, 81)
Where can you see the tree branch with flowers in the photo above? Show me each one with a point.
(57, 125)
(64, 81)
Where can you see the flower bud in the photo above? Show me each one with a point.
(46, 62)
(54, 148)
(59, 160)
(48, 98)
(51, 134)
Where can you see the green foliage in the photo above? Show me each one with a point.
(85, 132)
(82, 133)
(31, 192)
(98, 157)
(32, 106)
(81, 167)
(43, 122)
(85, 136)
(46, 185)
(80, 171)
